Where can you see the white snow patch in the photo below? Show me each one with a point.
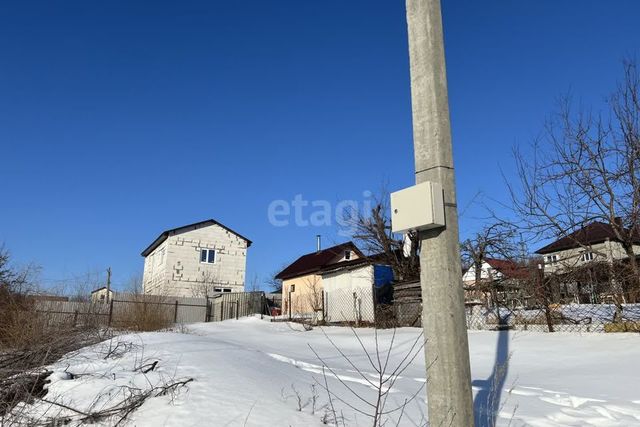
(245, 372)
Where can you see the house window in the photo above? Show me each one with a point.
(221, 289)
(347, 255)
(586, 256)
(292, 288)
(551, 259)
(208, 256)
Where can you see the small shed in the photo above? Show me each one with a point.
(350, 290)
(100, 295)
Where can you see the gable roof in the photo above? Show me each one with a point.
(508, 268)
(163, 236)
(377, 259)
(596, 232)
(315, 261)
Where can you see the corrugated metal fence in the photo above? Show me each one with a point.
(235, 305)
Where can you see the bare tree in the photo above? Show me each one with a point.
(314, 295)
(493, 241)
(13, 279)
(134, 284)
(79, 287)
(254, 286)
(586, 168)
(373, 235)
(272, 282)
(206, 285)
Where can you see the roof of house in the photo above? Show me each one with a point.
(508, 268)
(596, 232)
(100, 289)
(377, 259)
(316, 261)
(163, 236)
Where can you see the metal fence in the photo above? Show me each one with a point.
(128, 309)
(557, 318)
(353, 306)
(401, 305)
(542, 313)
(363, 306)
(235, 305)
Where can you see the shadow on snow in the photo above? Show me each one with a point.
(486, 404)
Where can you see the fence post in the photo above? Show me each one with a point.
(262, 305)
(206, 311)
(375, 305)
(212, 311)
(289, 304)
(110, 312)
(325, 306)
(221, 310)
(355, 308)
(75, 318)
(237, 309)
(175, 313)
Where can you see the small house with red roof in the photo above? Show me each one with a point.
(505, 276)
(302, 287)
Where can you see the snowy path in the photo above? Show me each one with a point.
(246, 372)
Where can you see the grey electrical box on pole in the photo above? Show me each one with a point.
(420, 207)
(448, 374)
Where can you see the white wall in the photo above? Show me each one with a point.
(155, 270)
(570, 258)
(486, 272)
(340, 287)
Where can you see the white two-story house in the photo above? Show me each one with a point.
(195, 260)
(595, 243)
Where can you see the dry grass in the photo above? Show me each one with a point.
(32, 338)
(28, 343)
(622, 327)
(144, 313)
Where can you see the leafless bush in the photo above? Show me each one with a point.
(28, 340)
(112, 406)
(301, 401)
(386, 376)
(21, 374)
(127, 398)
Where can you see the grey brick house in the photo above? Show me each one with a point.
(195, 260)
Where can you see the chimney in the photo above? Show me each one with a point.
(618, 221)
(318, 246)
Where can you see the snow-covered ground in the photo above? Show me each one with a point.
(250, 372)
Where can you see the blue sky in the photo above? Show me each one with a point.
(121, 119)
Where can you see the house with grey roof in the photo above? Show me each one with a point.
(196, 260)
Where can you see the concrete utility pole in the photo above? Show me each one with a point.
(443, 317)
(108, 284)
